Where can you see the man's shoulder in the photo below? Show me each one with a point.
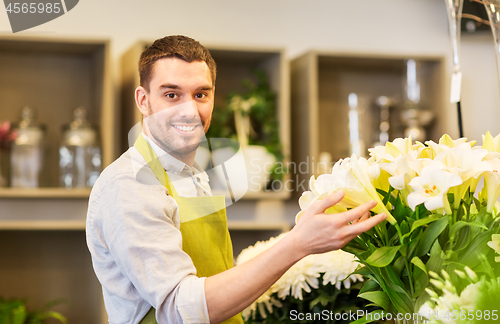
(129, 171)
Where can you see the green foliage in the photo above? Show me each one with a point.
(14, 312)
(398, 257)
(263, 118)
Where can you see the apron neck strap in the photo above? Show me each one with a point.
(154, 163)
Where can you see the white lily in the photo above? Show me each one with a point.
(466, 162)
(446, 142)
(391, 150)
(431, 188)
(403, 169)
(490, 143)
(495, 245)
(310, 197)
(355, 178)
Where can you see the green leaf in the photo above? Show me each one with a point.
(435, 263)
(422, 299)
(478, 246)
(421, 281)
(425, 221)
(368, 318)
(404, 227)
(399, 265)
(383, 256)
(416, 261)
(370, 285)
(458, 225)
(463, 239)
(399, 211)
(364, 271)
(430, 234)
(321, 299)
(379, 298)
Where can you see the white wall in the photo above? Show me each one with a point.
(409, 27)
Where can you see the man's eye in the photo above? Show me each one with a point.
(171, 95)
(200, 95)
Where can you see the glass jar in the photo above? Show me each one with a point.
(27, 155)
(79, 153)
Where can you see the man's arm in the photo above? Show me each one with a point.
(229, 292)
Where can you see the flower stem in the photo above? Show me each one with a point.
(410, 278)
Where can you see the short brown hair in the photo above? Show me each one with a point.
(178, 46)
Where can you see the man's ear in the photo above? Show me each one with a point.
(141, 100)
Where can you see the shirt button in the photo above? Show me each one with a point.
(198, 179)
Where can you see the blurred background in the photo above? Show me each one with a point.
(339, 77)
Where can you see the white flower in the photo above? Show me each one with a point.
(345, 264)
(445, 143)
(495, 245)
(354, 176)
(431, 188)
(336, 267)
(391, 150)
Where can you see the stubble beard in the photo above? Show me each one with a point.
(160, 130)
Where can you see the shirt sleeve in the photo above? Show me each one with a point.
(138, 225)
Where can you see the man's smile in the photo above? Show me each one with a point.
(185, 128)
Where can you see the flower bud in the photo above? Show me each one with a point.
(461, 274)
(432, 293)
(438, 284)
(445, 274)
(433, 275)
(472, 275)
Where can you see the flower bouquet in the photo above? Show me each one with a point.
(436, 221)
(316, 289)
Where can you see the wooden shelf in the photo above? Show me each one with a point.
(77, 225)
(46, 256)
(43, 225)
(78, 71)
(258, 195)
(321, 83)
(44, 193)
(282, 226)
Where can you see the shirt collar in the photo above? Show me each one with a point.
(168, 162)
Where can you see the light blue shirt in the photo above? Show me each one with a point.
(136, 246)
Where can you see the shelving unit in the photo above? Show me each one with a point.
(233, 65)
(55, 76)
(321, 84)
(44, 193)
(44, 255)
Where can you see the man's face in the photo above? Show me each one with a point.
(179, 104)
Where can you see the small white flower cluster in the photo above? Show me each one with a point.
(421, 173)
(495, 245)
(444, 306)
(336, 266)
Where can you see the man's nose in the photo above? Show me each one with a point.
(188, 109)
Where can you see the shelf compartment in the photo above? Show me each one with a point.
(55, 76)
(321, 84)
(55, 193)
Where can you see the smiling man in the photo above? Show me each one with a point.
(158, 238)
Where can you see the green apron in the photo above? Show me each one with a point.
(205, 236)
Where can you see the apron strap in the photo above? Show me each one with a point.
(154, 163)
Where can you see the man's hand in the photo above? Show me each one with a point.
(229, 292)
(318, 232)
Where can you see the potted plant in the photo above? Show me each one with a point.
(250, 118)
(14, 311)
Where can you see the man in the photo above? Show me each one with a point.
(158, 238)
